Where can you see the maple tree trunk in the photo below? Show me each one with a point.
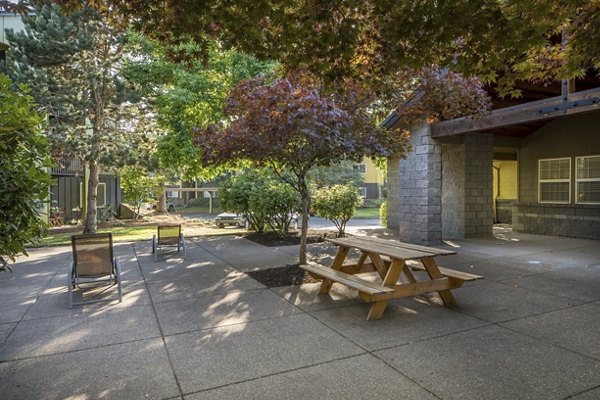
(305, 213)
(92, 193)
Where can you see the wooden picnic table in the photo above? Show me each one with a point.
(389, 259)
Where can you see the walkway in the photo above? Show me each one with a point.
(203, 329)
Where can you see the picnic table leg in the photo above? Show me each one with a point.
(361, 261)
(390, 279)
(337, 265)
(379, 265)
(434, 273)
(408, 273)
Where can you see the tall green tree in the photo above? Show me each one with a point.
(187, 95)
(337, 174)
(73, 63)
(24, 177)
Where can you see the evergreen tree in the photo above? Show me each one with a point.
(72, 63)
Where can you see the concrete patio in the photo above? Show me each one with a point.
(201, 328)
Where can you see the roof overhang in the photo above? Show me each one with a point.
(521, 120)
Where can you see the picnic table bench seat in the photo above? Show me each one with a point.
(353, 281)
(450, 273)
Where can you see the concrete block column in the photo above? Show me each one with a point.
(415, 190)
(467, 201)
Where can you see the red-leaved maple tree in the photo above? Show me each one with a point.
(292, 123)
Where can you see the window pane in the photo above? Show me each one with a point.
(362, 168)
(555, 169)
(588, 167)
(554, 191)
(588, 192)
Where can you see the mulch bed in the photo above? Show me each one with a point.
(290, 275)
(271, 239)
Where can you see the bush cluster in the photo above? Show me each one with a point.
(383, 214)
(337, 204)
(263, 198)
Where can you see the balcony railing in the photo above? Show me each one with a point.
(68, 167)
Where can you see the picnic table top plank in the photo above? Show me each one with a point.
(392, 250)
(396, 243)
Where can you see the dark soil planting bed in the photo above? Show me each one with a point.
(271, 239)
(290, 275)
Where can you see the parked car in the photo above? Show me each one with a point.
(230, 219)
(152, 205)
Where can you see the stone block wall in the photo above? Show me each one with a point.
(504, 210)
(580, 221)
(393, 199)
(442, 188)
(453, 189)
(479, 203)
(467, 197)
(415, 190)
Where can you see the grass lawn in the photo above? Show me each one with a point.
(131, 233)
(366, 213)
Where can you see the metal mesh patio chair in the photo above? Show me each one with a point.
(93, 265)
(168, 235)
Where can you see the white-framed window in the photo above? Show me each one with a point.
(172, 194)
(554, 180)
(100, 198)
(362, 168)
(362, 192)
(588, 180)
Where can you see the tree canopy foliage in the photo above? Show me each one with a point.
(24, 179)
(293, 123)
(342, 172)
(495, 40)
(186, 96)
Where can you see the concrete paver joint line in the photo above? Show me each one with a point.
(276, 373)
(375, 355)
(583, 392)
(159, 327)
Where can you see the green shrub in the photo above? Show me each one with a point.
(337, 204)
(235, 193)
(24, 179)
(383, 214)
(276, 202)
(137, 188)
(262, 197)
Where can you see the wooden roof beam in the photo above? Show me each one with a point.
(577, 103)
